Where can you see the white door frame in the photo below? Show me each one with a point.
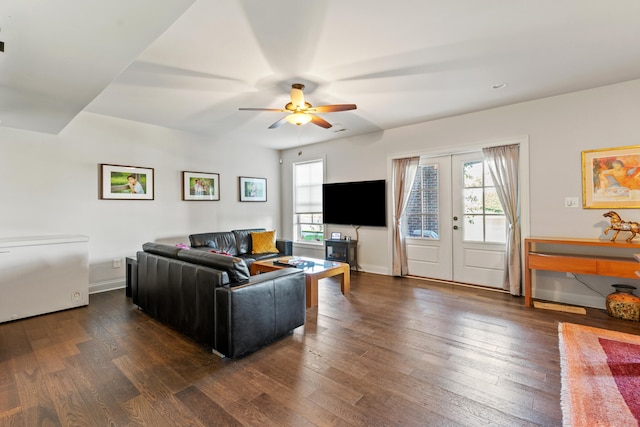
(522, 141)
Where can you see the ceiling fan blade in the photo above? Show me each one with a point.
(332, 108)
(320, 122)
(297, 96)
(279, 110)
(279, 123)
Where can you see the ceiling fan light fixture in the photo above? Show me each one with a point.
(298, 119)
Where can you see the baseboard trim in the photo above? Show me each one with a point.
(108, 285)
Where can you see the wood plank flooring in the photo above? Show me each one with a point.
(404, 352)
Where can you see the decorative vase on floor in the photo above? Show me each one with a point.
(623, 303)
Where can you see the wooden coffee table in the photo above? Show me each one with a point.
(312, 273)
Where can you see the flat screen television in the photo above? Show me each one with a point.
(355, 203)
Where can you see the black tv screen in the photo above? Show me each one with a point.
(355, 203)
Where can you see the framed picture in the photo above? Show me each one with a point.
(611, 178)
(253, 189)
(200, 186)
(336, 235)
(126, 182)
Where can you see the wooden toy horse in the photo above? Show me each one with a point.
(619, 225)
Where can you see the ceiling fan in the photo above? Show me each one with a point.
(301, 112)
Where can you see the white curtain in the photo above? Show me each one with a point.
(404, 172)
(503, 166)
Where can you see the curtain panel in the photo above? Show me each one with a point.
(503, 164)
(404, 172)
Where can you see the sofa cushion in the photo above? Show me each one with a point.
(223, 241)
(220, 240)
(161, 249)
(263, 241)
(235, 267)
(243, 240)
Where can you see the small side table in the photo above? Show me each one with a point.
(132, 277)
(342, 251)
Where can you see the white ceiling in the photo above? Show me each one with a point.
(190, 65)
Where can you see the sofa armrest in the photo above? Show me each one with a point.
(285, 247)
(253, 314)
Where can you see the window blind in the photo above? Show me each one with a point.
(308, 179)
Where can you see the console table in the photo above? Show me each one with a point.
(578, 256)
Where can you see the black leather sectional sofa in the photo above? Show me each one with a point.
(238, 243)
(212, 299)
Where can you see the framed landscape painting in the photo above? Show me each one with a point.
(200, 186)
(126, 182)
(611, 178)
(253, 189)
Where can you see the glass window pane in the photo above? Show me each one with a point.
(472, 228)
(472, 199)
(305, 218)
(421, 215)
(431, 176)
(472, 174)
(496, 228)
(430, 227)
(414, 226)
(311, 233)
(492, 202)
(431, 202)
(487, 176)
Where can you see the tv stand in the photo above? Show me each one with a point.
(342, 251)
(578, 256)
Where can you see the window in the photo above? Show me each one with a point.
(307, 201)
(421, 215)
(484, 219)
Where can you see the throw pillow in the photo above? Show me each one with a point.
(183, 246)
(263, 241)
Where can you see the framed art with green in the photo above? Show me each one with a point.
(611, 178)
(200, 186)
(252, 189)
(125, 182)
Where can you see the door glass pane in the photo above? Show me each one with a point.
(430, 227)
(496, 228)
(484, 216)
(421, 215)
(473, 228)
(472, 200)
(492, 202)
(472, 174)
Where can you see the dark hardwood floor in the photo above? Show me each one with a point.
(395, 351)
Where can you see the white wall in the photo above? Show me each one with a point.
(50, 186)
(50, 182)
(559, 129)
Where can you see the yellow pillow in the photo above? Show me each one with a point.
(263, 241)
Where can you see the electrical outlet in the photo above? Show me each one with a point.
(75, 297)
(117, 263)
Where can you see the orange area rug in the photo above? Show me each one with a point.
(600, 376)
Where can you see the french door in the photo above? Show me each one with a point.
(455, 226)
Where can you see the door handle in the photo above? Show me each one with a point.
(455, 227)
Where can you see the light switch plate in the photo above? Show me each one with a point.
(571, 202)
